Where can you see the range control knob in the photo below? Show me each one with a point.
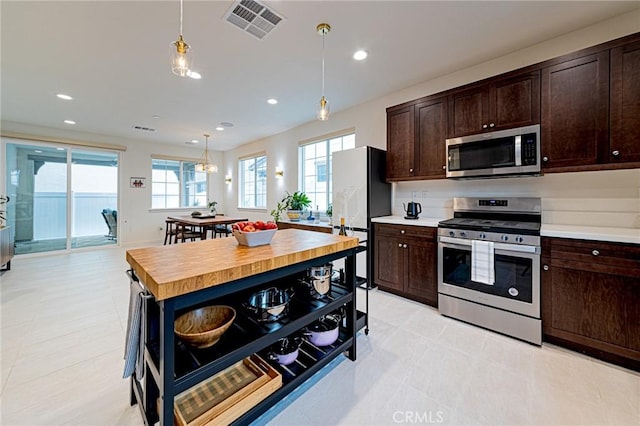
(463, 234)
(452, 234)
(482, 235)
(505, 238)
(519, 239)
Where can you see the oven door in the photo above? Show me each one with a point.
(517, 276)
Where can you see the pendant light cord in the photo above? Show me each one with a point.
(180, 17)
(323, 64)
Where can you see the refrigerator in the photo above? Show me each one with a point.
(359, 193)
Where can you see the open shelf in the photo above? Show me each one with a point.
(245, 337)
(310, 360)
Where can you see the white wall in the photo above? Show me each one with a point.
(566, 196)
(369, 120)
(138, 223)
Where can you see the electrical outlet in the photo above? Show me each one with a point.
(424, 195)
(414, 194)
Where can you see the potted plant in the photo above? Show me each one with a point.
(329, 213)
(3, 218)
(212, 207)
(294, 204)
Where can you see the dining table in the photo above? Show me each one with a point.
(206, 222)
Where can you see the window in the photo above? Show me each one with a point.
(176, 183)
(315, 161)
(252, 173)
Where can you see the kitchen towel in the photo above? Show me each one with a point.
(134, 343)
(482, 266)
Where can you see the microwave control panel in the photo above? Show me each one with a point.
(529, 149)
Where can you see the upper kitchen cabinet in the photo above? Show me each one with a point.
(575, 104)
(500, 103)
(431, 117)
(624, 144)
(415, 140)
(400, 143)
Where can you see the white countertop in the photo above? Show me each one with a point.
(596, 233)
(400, 220)
(616, 235)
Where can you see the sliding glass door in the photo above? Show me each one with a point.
(94, 189)
(61, 198)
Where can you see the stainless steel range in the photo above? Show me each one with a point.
(489, 265)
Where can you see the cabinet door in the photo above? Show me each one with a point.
(596, 310)
(389, 267)
(625, 104)
(468, 112)
(432, 133)
(575, 106)
(421, 277)
(400, 143)
(515, 102)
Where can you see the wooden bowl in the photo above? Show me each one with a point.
(203, 327)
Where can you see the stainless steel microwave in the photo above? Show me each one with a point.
(511, 152)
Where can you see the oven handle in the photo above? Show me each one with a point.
(496, 246)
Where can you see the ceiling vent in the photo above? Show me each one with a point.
(145, 129)
(253, 17)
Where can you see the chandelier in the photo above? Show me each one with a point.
(324, 107)
(181, 54)
(204, 165)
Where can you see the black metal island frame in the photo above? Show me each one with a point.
(222, 272)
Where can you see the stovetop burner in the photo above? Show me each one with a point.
(520, 216)
(489, 225)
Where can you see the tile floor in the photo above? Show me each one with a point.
(63, 320)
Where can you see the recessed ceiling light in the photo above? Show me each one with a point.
(63, 96)
(60, 149)
(194, 75)
(195, 141)
(360, 55)
(272, 101)
(226, 124)
(220, 128)
(156, 116)
(38, 151)
(69, 122)
(192, 142)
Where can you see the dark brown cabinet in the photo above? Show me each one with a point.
(405, 261)
(591, 298)
(6, 247)
(401, 143)
(624, 144)
(500, 103)
(575, 103)
(415, 140)
(431, 118)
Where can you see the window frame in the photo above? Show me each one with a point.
(181, 183)
(328, 163)
(241, 179)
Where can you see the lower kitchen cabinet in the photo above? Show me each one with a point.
(7, 241)
(591, 298)
(405, 261)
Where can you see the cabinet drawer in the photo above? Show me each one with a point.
(405, 231)
(598, 256)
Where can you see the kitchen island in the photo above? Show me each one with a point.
(178, 278)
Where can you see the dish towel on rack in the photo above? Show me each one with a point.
(482, 266)
(134, 343)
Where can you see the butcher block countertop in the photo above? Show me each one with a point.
(177, 269)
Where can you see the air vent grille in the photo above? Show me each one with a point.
(253, 17)
(144, 128)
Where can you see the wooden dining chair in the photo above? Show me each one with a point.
(186, 232)
(169, 231)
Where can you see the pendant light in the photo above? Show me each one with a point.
(180, 54)
(204, 165)
(323, 108)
